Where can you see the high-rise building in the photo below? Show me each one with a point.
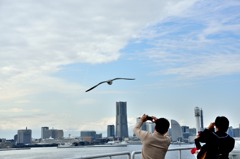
(199, 119)
(110, 131)
(176, 131)
(45, 133)
(197, 114)
(24, 136)
(121, 120)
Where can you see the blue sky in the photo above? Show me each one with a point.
(183, 54)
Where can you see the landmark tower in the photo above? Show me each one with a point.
(121, 120)
(199, 119)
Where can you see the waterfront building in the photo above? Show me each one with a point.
(15, 138)
(45, 133)
(88, 136)
(185, 129)
(121, 120)
(5, 143)
(57, 134)
(24, 136)
(236, 132)
(99, 136)
(186, 134)
(110, 131)
(176, 131)
(192, 131)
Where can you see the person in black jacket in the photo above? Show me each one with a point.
(218, 144)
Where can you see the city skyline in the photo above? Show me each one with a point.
(130, 132)
(182, 54)
(173, 126)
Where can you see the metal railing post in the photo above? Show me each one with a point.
(179, 154)
(134, 153)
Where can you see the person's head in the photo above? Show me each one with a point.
(222, 123)
(162, 125)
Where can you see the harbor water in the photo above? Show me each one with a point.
(73, 153)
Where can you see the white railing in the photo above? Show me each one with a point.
(110, 155)
(132, 155)
(170, 149)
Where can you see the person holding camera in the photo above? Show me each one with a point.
(218, 144)
(154, 145)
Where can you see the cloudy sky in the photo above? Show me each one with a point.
(183, 54)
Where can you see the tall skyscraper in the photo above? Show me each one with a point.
(197, 114)
(199, 119)
(121, 120)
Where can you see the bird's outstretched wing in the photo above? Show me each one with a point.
(95, 86)
(123, 79)
(109, 81)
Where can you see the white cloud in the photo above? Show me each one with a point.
(209, 66)
(200, 44)
(67, 32)
(11, 110)
(37, 37)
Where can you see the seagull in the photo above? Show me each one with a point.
(109, 82)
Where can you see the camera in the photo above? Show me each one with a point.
(149, 118)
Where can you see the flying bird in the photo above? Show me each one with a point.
(109, 82)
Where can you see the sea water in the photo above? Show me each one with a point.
(73, 153)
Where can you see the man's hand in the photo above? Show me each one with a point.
(144, 118)
(154, 119)
(211, 125)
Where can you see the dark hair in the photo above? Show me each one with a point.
(162, 125)
(222, 123)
